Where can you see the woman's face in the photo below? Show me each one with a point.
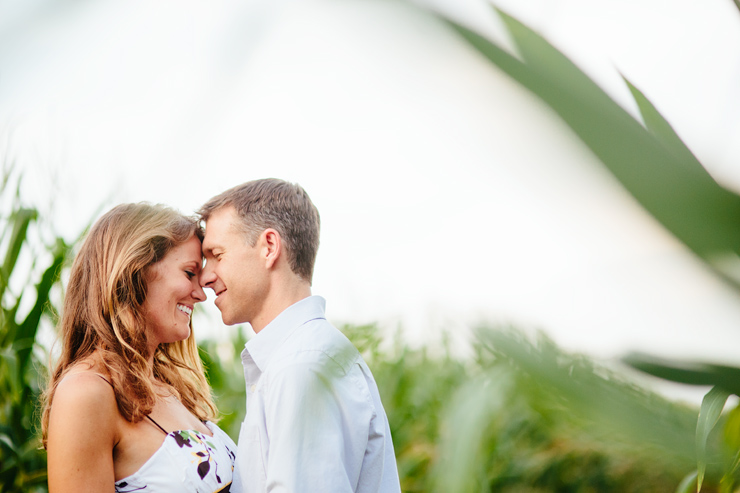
(173, 289)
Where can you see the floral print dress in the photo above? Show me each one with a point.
(187, 462)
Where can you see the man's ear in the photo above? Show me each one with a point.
(272, 246)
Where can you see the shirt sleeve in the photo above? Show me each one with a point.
(318, 419)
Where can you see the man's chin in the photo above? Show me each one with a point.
(229, 319)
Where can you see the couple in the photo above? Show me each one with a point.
(128, 408)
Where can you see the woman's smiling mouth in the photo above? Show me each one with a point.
(185, 309)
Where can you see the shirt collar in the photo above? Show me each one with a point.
(263, 345)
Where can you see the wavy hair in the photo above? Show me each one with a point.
(103, 312)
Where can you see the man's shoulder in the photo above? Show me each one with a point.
(318, 343)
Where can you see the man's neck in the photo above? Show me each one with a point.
(276, 305)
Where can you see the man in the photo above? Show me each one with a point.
(314, 421)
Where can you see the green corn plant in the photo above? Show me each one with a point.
(648, 159)
(651, 161)
(223, 366)
(724, 381)
(532, 418)
(415, 386)
(22, 364)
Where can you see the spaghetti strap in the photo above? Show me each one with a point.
(147, 416)
(156, 424)
(105, 380)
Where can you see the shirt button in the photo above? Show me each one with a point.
(253, 388)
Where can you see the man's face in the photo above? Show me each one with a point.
(234, 269)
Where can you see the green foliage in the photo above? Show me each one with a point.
(534, 418)
(415, 386)
(724, 380)
(225, 373)
(22, 463)
(657, 168)
(652, 162)
(709, 414)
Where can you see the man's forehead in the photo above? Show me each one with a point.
(220, 220)
(219, 227)
(223, 214)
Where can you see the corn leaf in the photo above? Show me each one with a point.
(692, 373)
(711, 410)
(687, 484)
(29, 327)
(672, 186)
(660, 127)
(20, 219)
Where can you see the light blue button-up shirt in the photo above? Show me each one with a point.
(314, 419)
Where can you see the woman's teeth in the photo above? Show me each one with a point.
(185, 309)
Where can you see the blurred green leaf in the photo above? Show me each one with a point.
(731, 436)
(687, 484)
(672, 186)
(614, 406)
(20, 220)
(469, 438)
(693, 373)
(50, 277)
(538, 419)
(660, 127)
(711, 409)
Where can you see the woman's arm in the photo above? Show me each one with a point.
(82, 433)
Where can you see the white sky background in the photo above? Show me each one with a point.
(448, 194)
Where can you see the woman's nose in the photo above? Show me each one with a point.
(198, 294)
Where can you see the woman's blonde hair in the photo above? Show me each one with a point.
(102, 312)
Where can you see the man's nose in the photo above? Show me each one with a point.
(207, 276)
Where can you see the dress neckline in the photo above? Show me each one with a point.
(162, 447)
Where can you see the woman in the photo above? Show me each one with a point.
(128, 407)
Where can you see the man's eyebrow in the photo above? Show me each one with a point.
(208, 249)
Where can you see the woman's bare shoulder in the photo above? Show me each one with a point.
(85, 376)
(83, 394)
(84, 422)
(83, 384)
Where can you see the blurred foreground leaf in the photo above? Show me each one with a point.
(662, 174)
(725, 381)
(537, 416)
(711, 409)
(687, 484)
(692, 373)
(651, 163)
